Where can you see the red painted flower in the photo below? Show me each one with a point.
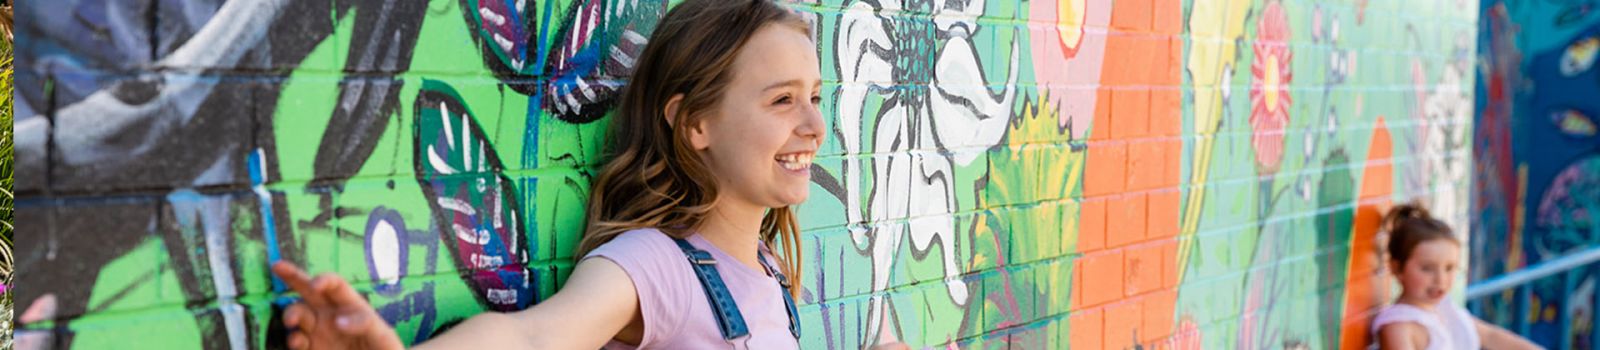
(1269, 88)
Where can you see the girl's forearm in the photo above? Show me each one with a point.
(489, 329)
(1501, 339)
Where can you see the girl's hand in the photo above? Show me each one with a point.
(331, 315)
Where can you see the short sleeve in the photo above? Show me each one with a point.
(1400, 313)
(660, 276)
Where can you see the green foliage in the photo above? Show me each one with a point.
(6, 158)
(6, 196)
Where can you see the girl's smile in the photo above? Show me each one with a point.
(796, 163)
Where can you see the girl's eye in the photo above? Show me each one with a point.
(782, 100)
(816, 100)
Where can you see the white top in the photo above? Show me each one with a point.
(1449, 328)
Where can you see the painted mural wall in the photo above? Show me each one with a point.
(1537, 174)
(1084, 173)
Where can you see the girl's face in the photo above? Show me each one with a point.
(761, 137)
(1428, 274)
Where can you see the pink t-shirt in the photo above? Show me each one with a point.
(673, 304)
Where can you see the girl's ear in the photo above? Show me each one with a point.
(698, 139)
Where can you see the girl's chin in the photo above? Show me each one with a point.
(793, 202)
(1424, 300)
(794, 197)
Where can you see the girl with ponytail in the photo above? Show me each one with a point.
(1424, 255)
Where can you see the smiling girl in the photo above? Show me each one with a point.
(711, 146)
(1423, 255)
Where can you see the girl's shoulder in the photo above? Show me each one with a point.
(643, 243)
(648, 234)
(1398, 313)
(1401, 308)
(649, 257)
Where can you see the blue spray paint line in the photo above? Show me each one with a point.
(530, 149)
(530, 134)
(269, 231)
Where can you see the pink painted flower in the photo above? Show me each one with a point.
(1069, 56)
(1269, 87)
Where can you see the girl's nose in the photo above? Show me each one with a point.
(813, 126)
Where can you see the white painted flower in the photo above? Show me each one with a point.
(1444, 147)
(938, 114)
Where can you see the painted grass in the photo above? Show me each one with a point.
(6, 196)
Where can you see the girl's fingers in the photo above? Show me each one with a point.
(338, 292)
(352, 322)
(326, 282)
(298, 341)
(299, 316)
(332, 299)
(363, 323)
(299, 281)
(293, 276)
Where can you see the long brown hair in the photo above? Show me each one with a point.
(654, 178)
(1410, 225)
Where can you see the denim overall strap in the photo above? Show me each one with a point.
(729, 320)
(788, 299)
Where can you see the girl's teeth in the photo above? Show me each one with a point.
(795, 161)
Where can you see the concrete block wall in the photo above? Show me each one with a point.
(1046, 174)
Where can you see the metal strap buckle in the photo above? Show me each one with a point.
(700, 257)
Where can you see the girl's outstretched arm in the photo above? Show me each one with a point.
(1496, 338)
(597, 302)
